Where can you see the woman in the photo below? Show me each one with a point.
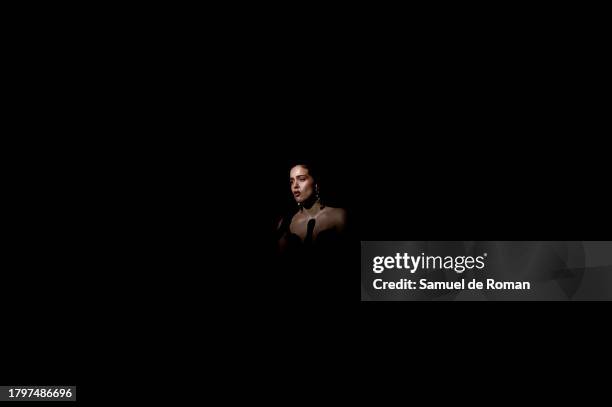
(316, 229)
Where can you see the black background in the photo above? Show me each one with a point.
(507, 124)
(417, 142)
(409, 178)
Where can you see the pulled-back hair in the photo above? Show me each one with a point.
(309, 166)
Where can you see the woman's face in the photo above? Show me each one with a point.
(302, 184)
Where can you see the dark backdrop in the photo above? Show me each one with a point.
(413, 183)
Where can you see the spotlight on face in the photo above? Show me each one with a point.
(302, 183)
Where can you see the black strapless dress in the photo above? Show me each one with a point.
(325, 253)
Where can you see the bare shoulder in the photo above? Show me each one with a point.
(336, 217)
(336, 213)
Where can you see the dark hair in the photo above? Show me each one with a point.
(311, 169)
